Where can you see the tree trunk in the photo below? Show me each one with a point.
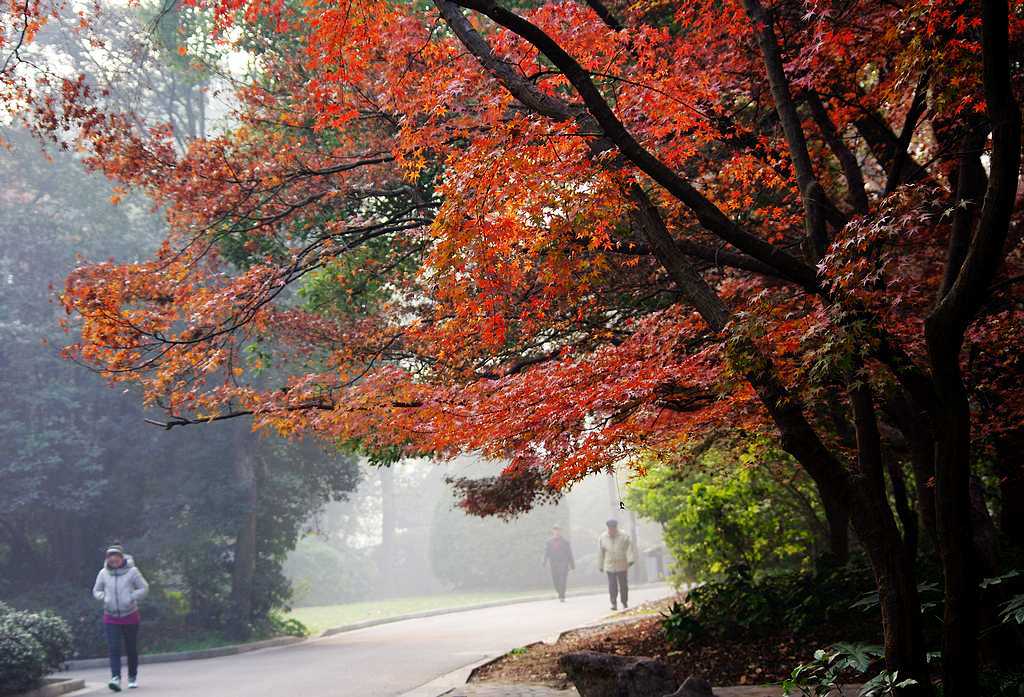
(891, 558)
(915, 426)
(907, 515)
(900, 605)
(837, 515)
(956, 539)
(244, 569)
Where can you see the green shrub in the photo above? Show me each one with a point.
(748, 507)
(52, 633)
(843, 663)
(31, 645)
(288, 626)
(82, 614)
(792, 601)
(22, 659)
(1001, 683)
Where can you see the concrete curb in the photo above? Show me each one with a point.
(449, 681)
(231, 650)
(54, 687)
(461, 608)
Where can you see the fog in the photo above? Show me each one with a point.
(401, 533)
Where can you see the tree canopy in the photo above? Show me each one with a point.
(571, 234)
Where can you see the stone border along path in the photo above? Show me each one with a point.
(526, 690)
(495, 689)
(54, 687)
(457, 681)
(235, 649)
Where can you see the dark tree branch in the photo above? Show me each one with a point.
(847, 160)
(605, 14)
(815, 199)
(970, 187)
(709, 215)
(985, 254)
(901, 157)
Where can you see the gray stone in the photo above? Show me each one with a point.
(694, 687)
(605, 675)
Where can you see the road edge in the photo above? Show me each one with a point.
(466, 608)
(229, 650)
(442, 685)
(276, 642)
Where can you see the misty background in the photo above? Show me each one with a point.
(233, 529)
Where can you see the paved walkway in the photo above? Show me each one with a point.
(385, 661)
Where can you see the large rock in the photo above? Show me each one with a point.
(694, 687)
(605, 675)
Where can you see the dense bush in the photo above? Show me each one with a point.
(1002, 683)
(792, 601)
(79, 610)
(22, 659)
(746, 506)
(31, 645)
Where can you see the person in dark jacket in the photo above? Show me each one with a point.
(119, 586)
(558, 554)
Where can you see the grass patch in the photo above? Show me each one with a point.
(153, 644)
(321, 617)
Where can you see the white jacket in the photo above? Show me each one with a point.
(615, 553)
(120, 589)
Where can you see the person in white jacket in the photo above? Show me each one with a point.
(615, 554)
(119, 586)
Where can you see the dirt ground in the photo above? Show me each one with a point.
(731, 661)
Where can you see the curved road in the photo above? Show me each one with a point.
(382, 661)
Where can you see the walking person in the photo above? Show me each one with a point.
(615, 555)
(558, 554)
(119, 586)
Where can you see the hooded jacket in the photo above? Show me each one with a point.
(120, 589)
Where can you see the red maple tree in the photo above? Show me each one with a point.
(569, 235)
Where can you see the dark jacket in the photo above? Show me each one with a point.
(558, 552)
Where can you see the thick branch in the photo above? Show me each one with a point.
(605, 14)
(985, 255)
(970, 187)
(709, 215)
(901, 156)
(847, 160)
(815, 199)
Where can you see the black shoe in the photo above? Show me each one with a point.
(625, 605)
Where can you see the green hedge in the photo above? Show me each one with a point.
(31, 645)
